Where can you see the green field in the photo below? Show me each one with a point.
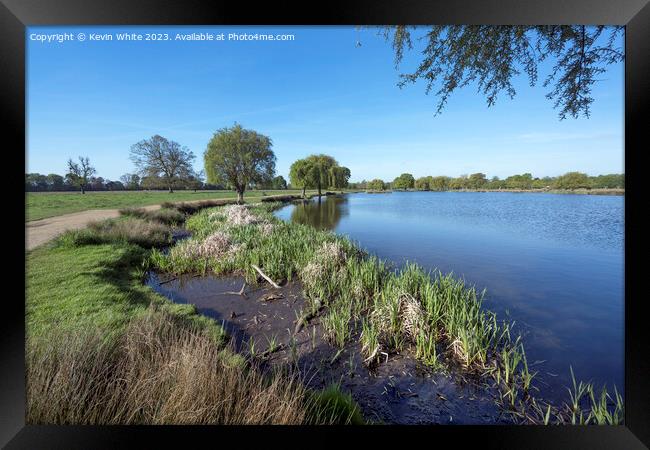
(40, 205)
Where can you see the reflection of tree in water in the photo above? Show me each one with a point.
(322, 213)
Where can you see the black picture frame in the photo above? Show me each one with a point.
(15, 15)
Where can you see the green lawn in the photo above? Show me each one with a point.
(94, 287)
(40, 205)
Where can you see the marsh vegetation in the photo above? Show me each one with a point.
(435, 317)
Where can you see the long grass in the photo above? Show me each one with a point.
(124, 230)
(160, 372)
(166, 216)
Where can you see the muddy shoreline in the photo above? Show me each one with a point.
(261, 323)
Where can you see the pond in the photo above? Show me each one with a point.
(553, 263)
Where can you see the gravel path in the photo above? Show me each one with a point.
(39, 232)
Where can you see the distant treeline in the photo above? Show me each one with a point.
(570, 180)
(36, 182)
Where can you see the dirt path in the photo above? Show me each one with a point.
(40, 231)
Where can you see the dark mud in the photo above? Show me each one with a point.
(400, 390)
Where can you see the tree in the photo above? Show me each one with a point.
(496, 183)
(55, 182)
(609, 181)
(376, 185)
(35, 182)
(404, 181)
(279, 183)
(524, 181)
(573, 180)
(194, 180)
(238, 157)
(114, 186)
(96, 184)
(318, 172)
(301, 175)
(423, 184)
(159, 157)
(131, 181)
(491, 56)
(339, 177)
(153, 183)
(477, 180)
(79, 173)
(439, 183)
(462, 182)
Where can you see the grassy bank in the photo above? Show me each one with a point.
(40, 205)
(435, 316)
(102, 348)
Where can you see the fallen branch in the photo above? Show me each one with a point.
(265, 277)
(271, 296)
(240, 292)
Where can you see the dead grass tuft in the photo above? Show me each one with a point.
(412, 316)
(216, 245)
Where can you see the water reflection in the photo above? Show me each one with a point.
(323, 213)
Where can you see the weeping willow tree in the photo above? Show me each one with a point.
(318, 172)
(455, 56)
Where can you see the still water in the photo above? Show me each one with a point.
(552, 263)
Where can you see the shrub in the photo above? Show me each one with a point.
(166, 216)
(124, 230)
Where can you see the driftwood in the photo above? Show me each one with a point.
(305, 318)
(273, 283)
(240, 292)
(271, 296)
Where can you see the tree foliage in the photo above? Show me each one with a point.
(573, 180)
(318, 172)
(161, 158)
(376, 185)
(279, 183)
(489, 56)
(239, 157)
(525, 181)
(477, 180)
(404, 181)
(301, 175)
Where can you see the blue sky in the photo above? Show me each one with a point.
(319, 93)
